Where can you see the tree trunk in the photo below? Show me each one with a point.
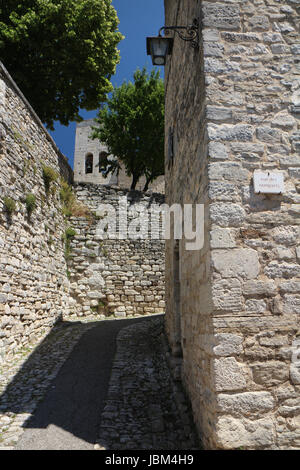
(135, 179)
(147, 185)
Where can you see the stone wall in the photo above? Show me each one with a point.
(33, 278)
(232, 106)
(120, 277)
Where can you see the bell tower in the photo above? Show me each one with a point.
(88, 155)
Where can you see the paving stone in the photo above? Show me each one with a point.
(155, 423)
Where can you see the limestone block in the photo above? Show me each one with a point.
(228, 344)
(255, 307)
(282, 270)
(259, 287)
(229, 98)
(216, 66)
(285, 253)
(294, 173)
(291, 303)
(270, 373)
(222, 238)
(285, 27)
(217, 113)
(228, 374)
(118, 314)
(213, 49)
(96, 267)
(283, 120)
(227, 214)
(210, 34)
(259, 23)
(96, 281)
(285, 235)
(279, 48)
(272, 38)
(218, 15)
(246, 147)
(3, 298)
(241, 262)
(274, 341)
(241, 37)
(234, 433)
(95, 295)
(290, 407)
(295, 49)
(268, 134)
(289, 286)
(276, 305)
(222, 191)
(295, 373)
(246, 403)
(231, 171)
(217, 151)
(239, 132)
(227, 295)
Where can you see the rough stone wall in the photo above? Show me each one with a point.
(240, 295)
(33, 280)
(111, 276)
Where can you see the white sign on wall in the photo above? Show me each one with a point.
(268, 182)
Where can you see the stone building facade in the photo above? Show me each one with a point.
(88, 155)
(233, 307)
(34, 288)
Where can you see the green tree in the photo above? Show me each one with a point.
(61, 53)
(132, 127)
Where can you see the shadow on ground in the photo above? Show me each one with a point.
(68, 415)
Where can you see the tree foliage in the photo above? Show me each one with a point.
(132, 127)
(61, 53)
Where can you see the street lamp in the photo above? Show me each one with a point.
(160, 46)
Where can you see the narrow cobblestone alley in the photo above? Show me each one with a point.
(95, 385)
(145, 406)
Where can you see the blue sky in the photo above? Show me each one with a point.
(138, 19)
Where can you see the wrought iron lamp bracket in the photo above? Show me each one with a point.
(191, 35)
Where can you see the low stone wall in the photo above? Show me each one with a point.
(112, 276)
(33, 277)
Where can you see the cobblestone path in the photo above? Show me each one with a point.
(145, 406)
(60, 393)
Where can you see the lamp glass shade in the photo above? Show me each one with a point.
(159, 47)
